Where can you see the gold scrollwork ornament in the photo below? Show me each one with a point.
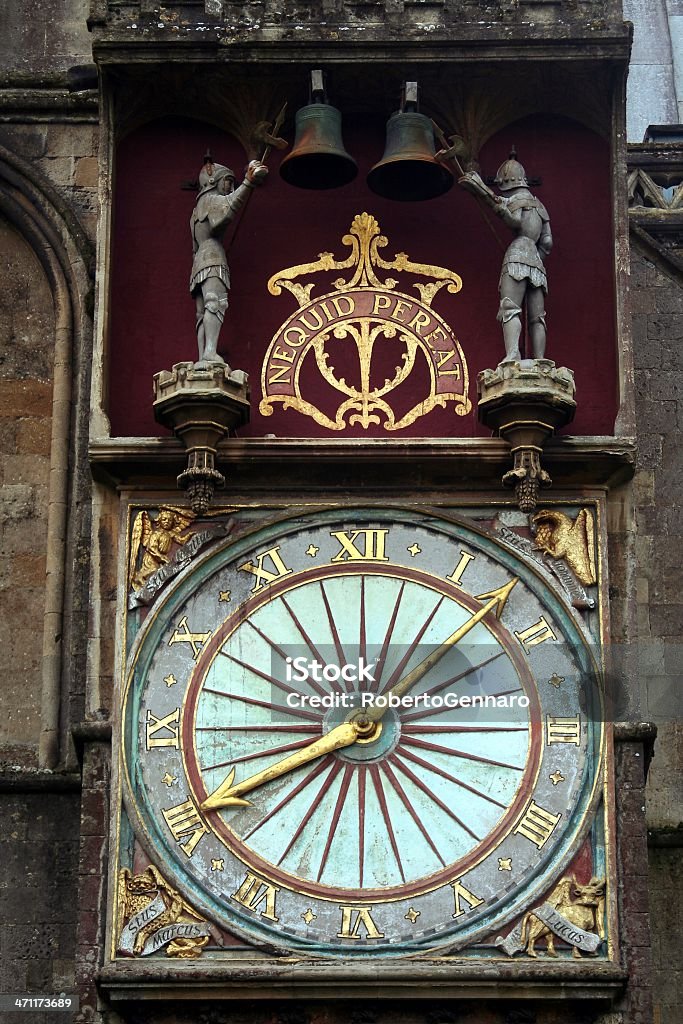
(366, 311)
(152, 916)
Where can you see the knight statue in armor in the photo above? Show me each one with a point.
(218, 203)
(522, 277)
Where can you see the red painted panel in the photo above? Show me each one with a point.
(152, 319)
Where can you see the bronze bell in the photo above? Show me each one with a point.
(409, 170)
(318, 158)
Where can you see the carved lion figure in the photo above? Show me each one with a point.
(138, 891)
(581, 905)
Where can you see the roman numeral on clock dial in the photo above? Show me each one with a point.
(536, 634)
(537, 824)
(366, 544)
(167, 726)
(183, 820)
(268, 568)
(563, 730)
(356, 918)
(254, 892)
(463, 894)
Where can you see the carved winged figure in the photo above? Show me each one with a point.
(572, 539)
(581, 905)
(154, 538)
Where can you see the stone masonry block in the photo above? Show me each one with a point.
(24, 398)
(86, 172)
(59, 170)
(667, 620)
(33, 435)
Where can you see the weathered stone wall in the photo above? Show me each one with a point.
(48, 195)
(43, 35)
(26, 366)
(38, 894)
(657, 302)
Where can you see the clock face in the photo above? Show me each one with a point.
(361, 731)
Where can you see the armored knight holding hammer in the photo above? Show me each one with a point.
(218, 203)
(523, 277)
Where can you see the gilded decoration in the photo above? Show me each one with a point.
(571, 539)
(573, 912)
(152, 916)
(373, 316)
(162, 546)
(152, 540)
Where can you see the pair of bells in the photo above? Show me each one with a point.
(408, 171)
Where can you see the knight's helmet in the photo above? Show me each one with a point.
(510, 174)
(211, 173)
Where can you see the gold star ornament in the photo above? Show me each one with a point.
(505, 863)
(412, 915)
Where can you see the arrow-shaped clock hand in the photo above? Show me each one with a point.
(496, 601)
(343, 735)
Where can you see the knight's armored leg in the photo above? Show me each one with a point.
(510, 313)
(537, 328)
(510, 316)
(199, 323)
(215, 305)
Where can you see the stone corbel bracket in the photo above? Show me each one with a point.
(525, 402)
(201, 407)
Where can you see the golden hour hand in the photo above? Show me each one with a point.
(229, 795)
(496, 601)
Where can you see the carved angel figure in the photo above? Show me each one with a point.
(581, 905)
(154, 538)
(572, 539)
(136, 892)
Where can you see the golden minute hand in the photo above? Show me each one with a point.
(497, 599)
(228, 795)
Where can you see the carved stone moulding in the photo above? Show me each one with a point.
(201, 406)
(525, 402)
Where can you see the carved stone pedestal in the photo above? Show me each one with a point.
(201, 406)
(525, 403)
